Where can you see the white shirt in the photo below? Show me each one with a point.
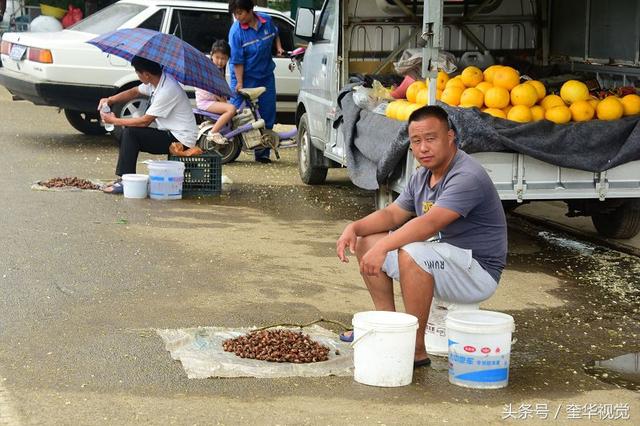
(172, 109)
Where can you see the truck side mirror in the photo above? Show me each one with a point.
(305, 23)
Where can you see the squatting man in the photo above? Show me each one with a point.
(444, 236)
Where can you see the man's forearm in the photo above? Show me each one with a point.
(239, 71)
(376, 222)
(125, 96)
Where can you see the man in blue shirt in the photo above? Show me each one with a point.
(251, 38)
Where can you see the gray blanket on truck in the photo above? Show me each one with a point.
(375, 145)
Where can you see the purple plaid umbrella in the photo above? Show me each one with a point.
(184, 62)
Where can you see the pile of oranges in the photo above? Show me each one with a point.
(499, 91)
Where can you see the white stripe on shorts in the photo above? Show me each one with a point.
(458, 277)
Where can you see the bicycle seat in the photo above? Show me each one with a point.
(252, 93)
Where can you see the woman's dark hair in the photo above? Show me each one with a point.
(141, 65)
(240, 4)
(221, 46)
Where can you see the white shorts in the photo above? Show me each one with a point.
(458, 277)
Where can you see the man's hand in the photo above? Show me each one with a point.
(280, 52)
(108, 117)
(238, 86)
(102, 102)
(347, 239)
(371, 262)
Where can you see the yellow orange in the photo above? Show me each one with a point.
(422, 98)
(507, 109)
(413, 89)
(496, 97)
(581, 111)
(593, 101)
(451, 95)
(472, 97)
(631, 104)
(490, 72)
(484, 86)
(439, 94)
(524, 94)
(392, 109)
(558, 114)
(610, 108)
(506, 77)
(537, 113)
(455, 82)
(495, 112)
(471, 76)
(540, 89)
(551, 101)
(441, 80)
(520, 113)
(573, 91)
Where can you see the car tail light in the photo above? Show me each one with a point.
(5, 47)
(40, 55)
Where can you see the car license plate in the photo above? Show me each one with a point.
(17, 52)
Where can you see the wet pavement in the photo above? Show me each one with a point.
(87, 278)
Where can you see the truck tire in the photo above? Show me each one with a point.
(133, 108)
(85, 122)
(622, 223)
(310, 173)
(229, 152)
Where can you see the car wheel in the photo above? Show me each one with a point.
(228, 152)
(85, 122)
(310, 173)
(132, 109)
(622, 223)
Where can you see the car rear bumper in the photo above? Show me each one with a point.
(62, 95)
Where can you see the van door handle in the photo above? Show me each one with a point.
(324, 60)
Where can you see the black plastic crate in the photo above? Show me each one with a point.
(202, 174)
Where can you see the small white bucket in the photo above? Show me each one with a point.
(479, 348)
(435, 335)
(135, 186)
(383, 348)
(166, 179)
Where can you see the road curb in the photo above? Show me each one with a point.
(576, 232)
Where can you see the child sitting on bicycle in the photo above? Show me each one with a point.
(220, 53)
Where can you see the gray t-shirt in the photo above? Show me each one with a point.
(466, 189)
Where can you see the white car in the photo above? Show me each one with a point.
(60, 69)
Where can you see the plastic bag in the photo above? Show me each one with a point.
(362, 97)
(379, 92)
(410, 63)
(381, 108)
(73, 15)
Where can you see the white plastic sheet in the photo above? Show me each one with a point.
(201, 354)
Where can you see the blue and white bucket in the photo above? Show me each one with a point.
(166, 179)
(479, 348)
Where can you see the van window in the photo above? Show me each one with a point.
(154, 22)
(327, 20)
(287, 38)
(200, 28)
(108, 19)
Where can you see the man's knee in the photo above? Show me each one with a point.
(364, 244)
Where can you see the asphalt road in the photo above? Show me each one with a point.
(86, 279)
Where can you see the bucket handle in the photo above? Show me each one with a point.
(355, 341)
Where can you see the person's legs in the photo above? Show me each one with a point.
(136, 139)
(417, 293)
(267, 109)
(380, 287)
(226, 112)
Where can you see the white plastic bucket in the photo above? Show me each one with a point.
(383, 348)
(479, 348)
(435, 335)
(166, 179)
(135, 186)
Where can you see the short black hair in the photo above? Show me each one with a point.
(240, 4)
(141, 64)
(221, 46)
(430, 111)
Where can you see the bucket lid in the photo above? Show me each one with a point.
(384, 320)
(480, 322)
(165, 164)
(134, 177)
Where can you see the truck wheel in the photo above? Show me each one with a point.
(85, 122)
(132, 109)
(310, 173)
(622, 223)
(228, 152)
